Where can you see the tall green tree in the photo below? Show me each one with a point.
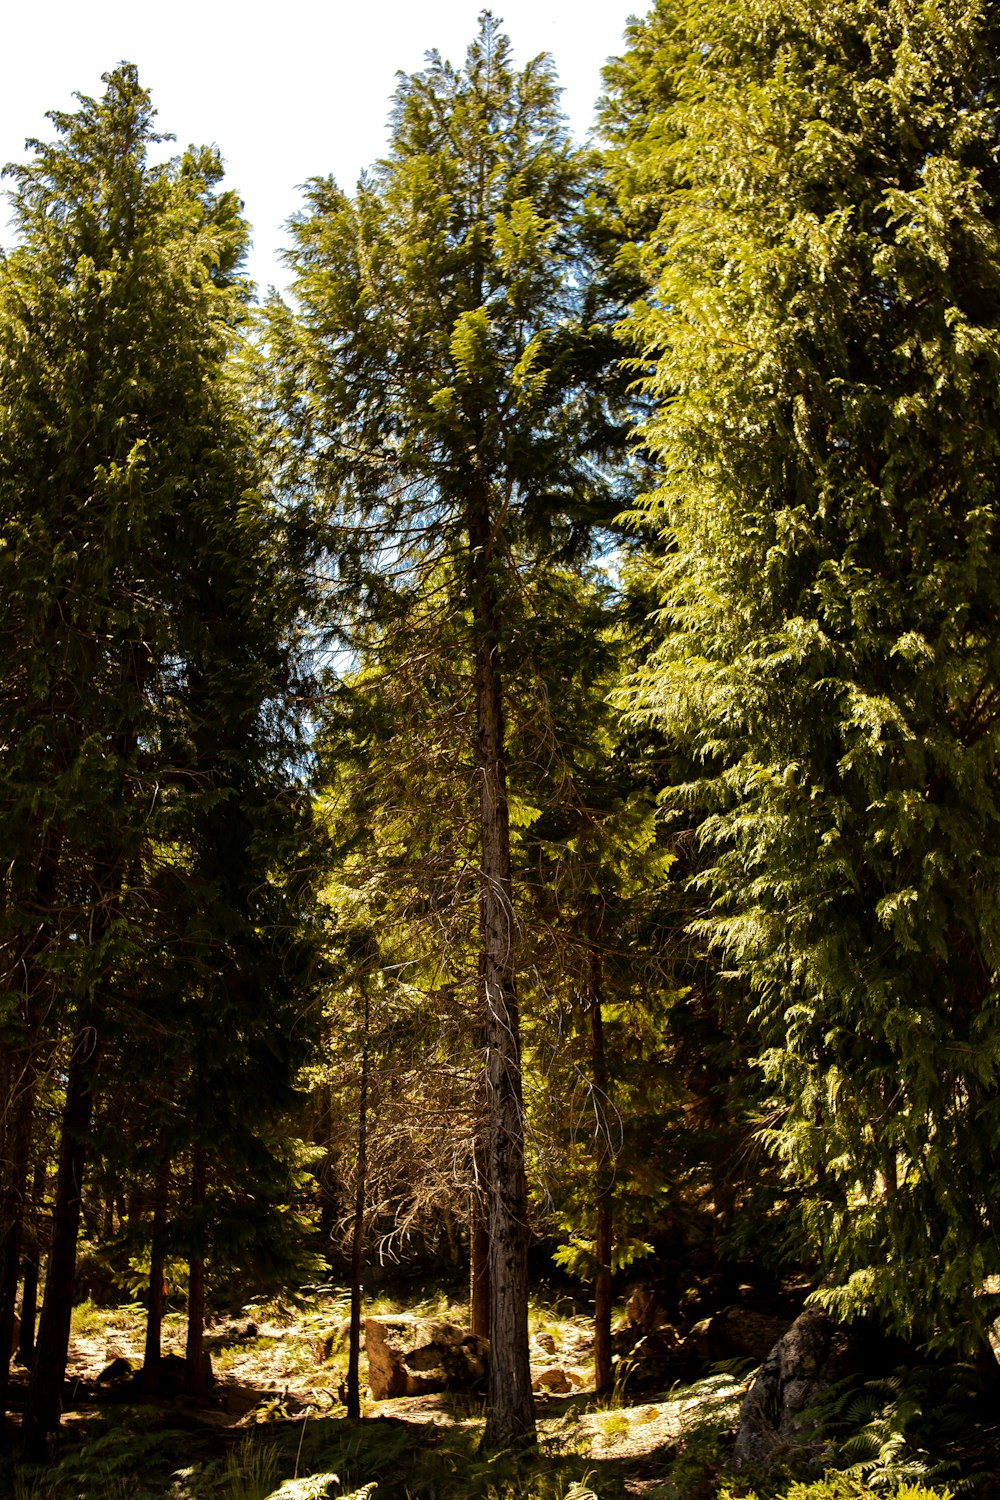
(144, 638)
(439, 377)
(816, 188)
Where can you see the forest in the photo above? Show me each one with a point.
(500, 786)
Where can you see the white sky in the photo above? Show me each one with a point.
(286, 93)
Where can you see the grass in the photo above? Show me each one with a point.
(251, 1471)
(615, 1423)
(440, 1305)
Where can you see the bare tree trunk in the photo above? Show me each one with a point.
(17, 1104)
(195, 1383)
(325, 1171)
(358, 1234)
(603, 1371)
(479, 1245)
(603, 1163)
(18, 1115)
(41, 1415)
(154, 1312)
(31, 1258)
(29, 1304)
(510, 1421)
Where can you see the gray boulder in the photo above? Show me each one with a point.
(807, 1359)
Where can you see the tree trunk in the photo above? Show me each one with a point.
(19, 1108)
(603, 1184)
(195, 1381)
(510, 1421)
(358, 1235)
(603, 1248)
(29, 1305)
(9, 1265)
(31, 1259)
(154, 1313)
(41, 1415)
(479, 1242)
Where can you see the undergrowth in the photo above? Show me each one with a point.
(897, 1438)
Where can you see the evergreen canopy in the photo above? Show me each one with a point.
(818, 186)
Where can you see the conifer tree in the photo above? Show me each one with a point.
(144, 641)
(816, 187)
(438, 377)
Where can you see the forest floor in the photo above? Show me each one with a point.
(274, 1421)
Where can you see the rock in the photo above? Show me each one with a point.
(654, 1361)
(411, 1357)
(324, 1347)
(645, 1312)
(664, 1344)
(734, 1333)
(555, 1380)
(665, 1354)
(696, 1344)
(427, 1357)
(806, 1361)
(742, 1333)
(386, 1342)
(463, 1356)
(116, 1370)
(644, 1308)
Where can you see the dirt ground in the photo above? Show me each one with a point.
(277, 1366)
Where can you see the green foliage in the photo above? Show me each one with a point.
(836, 1485)
(118, 1462)
(156, 888)
(578, 1258)
(317, 1487)
(363, 1454)
(819, 201)
(913, 1427)
(117, 437)
(451, 301)
(251, 1470)
(447, 392)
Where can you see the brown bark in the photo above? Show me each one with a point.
(195, 1381)
(603, 1370)
(510, 1421)
(603, 1184)
(358, 1235)
(154, 1311)
(18, 1110)
(17, 1104)
(41, 1415)
(29, 1305)
(29, 1286)
(8, 1297)
(479, 1264)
